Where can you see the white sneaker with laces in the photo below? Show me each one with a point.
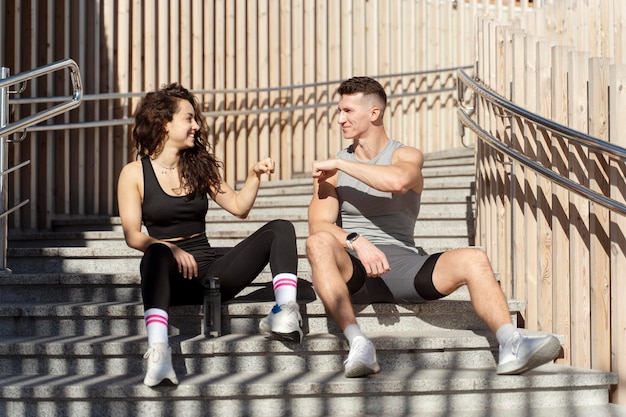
(159, 357)
(361, 359)
(521, 353)
(284, 322)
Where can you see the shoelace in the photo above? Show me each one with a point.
(293, 308)
(153, 354)
(516, 339)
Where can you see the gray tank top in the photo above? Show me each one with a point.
(384, 218)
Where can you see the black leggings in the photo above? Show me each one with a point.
(163, 286)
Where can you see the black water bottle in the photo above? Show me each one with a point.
(212, 309)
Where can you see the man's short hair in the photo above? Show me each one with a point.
(365, 85)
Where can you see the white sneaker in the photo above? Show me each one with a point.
(521, 353)
(284, 322)
(361, 359)
(159, 357)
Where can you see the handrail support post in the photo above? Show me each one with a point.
(4, 163)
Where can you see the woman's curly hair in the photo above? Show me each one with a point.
(199, 167)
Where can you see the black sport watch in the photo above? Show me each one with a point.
(350, 239)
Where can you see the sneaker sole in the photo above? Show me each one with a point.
(295, 337)
(153, 382)
(546, 353)
(361, 369)
(285, 336)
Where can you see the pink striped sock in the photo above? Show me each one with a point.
(285, 288)
(156, 325)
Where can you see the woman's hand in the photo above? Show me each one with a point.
(187, 264)
(265, 166)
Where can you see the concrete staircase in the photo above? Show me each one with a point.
(72, 334)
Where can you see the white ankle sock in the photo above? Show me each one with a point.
(156, 325)
(504, 333)
(351, 332)
(285, 288)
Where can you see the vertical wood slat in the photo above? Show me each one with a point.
(252, 79)
(599, 220)
(64, 11)
(519, 203)
(479, 72)
(560, 201)
(298, 95)
(492, 187)
(617, 102)
(186, 47)
(274, 79)
(310, 93)
(162, 20)
(245, 146)
(501, 169)
(578, 77)
(544, 188)
(322, 93)
(619, 26)
(284, 153)
(421, 18)
(50, 136)
(229, 124)
(195, 48)
(17, 181)
(34, 156)
(531, 213)
(335, 139)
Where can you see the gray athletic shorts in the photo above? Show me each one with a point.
(410, 279)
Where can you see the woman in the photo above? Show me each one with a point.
(167, 190)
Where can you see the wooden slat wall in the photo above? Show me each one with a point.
(137, 45)
(566, 62)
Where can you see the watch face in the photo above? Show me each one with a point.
(352, 236)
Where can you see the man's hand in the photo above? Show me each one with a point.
(324, 169)
(372, 258)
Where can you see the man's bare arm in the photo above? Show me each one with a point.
(404, 173)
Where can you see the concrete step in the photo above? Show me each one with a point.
(400, 392)
(118, 258)
(108, 232)
(99, 260)
(240, 316)
(122, 355)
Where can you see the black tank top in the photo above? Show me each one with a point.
(166, 216)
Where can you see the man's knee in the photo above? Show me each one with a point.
(480, 259)
(321, 248)
(320, 243)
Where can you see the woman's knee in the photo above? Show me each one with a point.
(156, 256)
(282, 227)
(156, 250)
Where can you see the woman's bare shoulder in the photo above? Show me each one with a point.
(132, 170)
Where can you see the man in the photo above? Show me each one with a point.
(361, 246)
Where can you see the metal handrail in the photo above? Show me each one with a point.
(53, 111)
(605, 148)
(7, 129)
(595, 144)
(223, 113)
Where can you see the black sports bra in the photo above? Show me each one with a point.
(166, 216)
